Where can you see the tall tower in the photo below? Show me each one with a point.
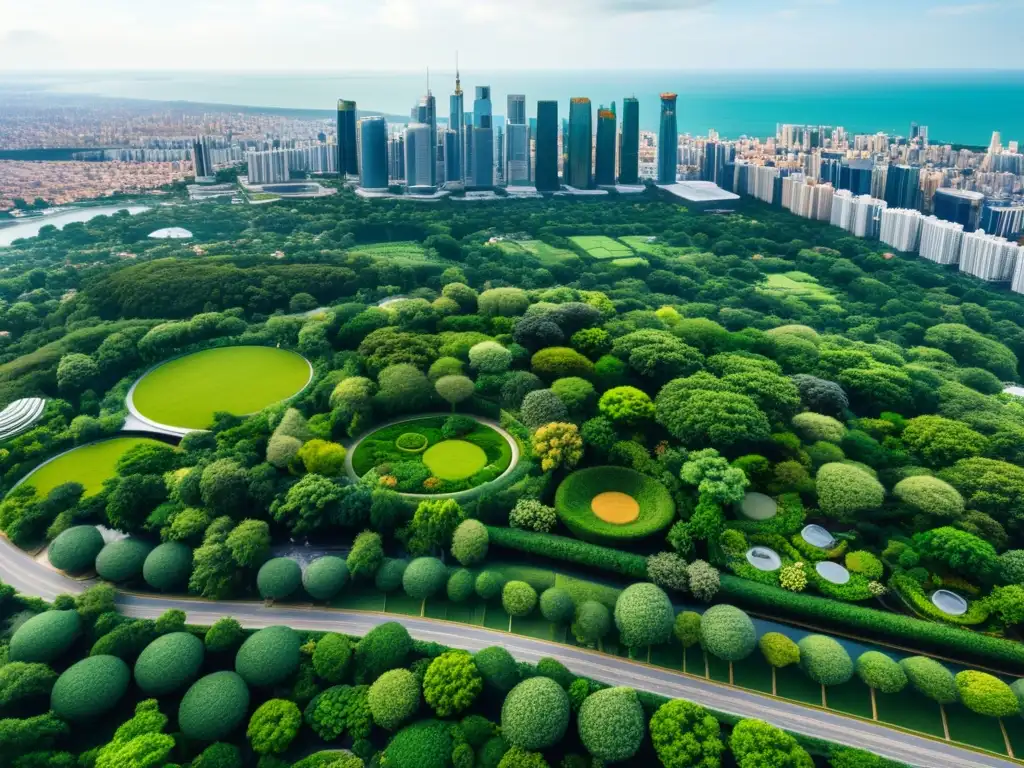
(517, 142)
(426, 113)
(373, 139)
(546, 177)
(455, 158)
(604, 167)
(348, 158)
(483, 139)
(629, 147)
(668, 140)
(581, 142)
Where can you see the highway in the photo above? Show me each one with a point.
(32, 578)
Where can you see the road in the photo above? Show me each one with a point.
(32, 578)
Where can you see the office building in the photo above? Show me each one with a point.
(901, 228)
(716, 157)
(668, 140)
(856, 176)
(1003, 219)
(201, 157)
(988, 257)
(604, 165)
(903, 186)
(483, 139)
(426, 114)
(515, 113)
(373, 153)
(467, 151)
(455, 163)
(419, 158)
(580, 144)
(452, 157)
(348, 152)
(517, 143)
(546, 173)
(629, 143)
(940, 240)
(960, 206)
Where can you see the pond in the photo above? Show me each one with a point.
(31, 227)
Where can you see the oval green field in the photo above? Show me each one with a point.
(188, 391)
(576, 496)
(89, 465)
(455, 459)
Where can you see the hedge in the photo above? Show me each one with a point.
(574, 496)
(168, 567)
(214, 706)
(122, 560)
(535, 714)
(569, 550)
(269, 657)
(45, 637)
(90, 688)
(75, 550)
(278, 578)
(169, 663)
(325, 577)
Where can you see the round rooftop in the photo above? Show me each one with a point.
(758, 506)
(950, 603)
(764, 559)
(171, 233)
(833, 572)
(817, 536)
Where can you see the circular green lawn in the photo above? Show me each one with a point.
(455, 459)
(89, 465)
(574, 502)
(187, 391)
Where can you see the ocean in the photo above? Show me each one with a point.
(962, 107)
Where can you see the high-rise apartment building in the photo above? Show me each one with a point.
(604, 166)
(1005, 220)
(483, 139)
(580, 144)
(373, 151)
(546, 174)
(1017, 286)
(940, 240)
(989, 257)
(201, 157)
(903, 186)
(668, 140)
(959, 205)
(419, 158)
(901, 229)
(517, 142)
(396, 157)
(348, 152)
(860, 215)
(515, 113)
(629, 144)
(426, 114)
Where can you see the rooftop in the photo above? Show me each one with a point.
(699, 191)
(171, 233)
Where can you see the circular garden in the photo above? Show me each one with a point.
(606, 504)
(186, 392)
(433, 455)
(89, 465)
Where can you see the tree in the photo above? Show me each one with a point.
(542, 406)
(518, 599)
(224, 635)
(384, 647)
(705, 417)
(538, 330)
(657, 355)
(531, 515)
(727, 633)
(928, 495)
(187, 525)
(469, 543)
(931, 679)
(556, 605)
(76, 372)
(224, 486)
(214, 574)
(780, 652)
(558, 445)
(961, 552)
(756, 744)
(433, 525)
(626, 405)
(686, 735)
(990, 486)
(686, 630)
(273, 726)
(825, 661)
(309, 505)
(535, 714)
(941, 442)
(986, 695)
(366, 555)
(714, 477)
(404, 389)
(972, 349)
(424, 578)
(394, 698)
(249, 543)
(644, 615)
(1011, 567)
(331, 657)
(323, 457)
(816, 427)
(21, 683)
(1008, 604)
(454, 389)
(561, 362)
(577, 394)
(845, 490)
(451, 683)
(880, 673)
(503, 302)
(704, 580)
(611, 724)
(131, 499)
(516, 386)
(490, 357)
(668, 571)
(592, 342)
(278, 578)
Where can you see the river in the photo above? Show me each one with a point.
(31, 227)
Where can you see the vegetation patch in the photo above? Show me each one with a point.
(454, 459)
(188, 391)
(601, 247)
(75, 550)
(214, 707)
(90, 688)
(548, 255)
(45, 637)
(89, 465)
(574, 502)
(412, 442)
(169, 663)
(798, 285)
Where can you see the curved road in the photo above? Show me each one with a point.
(32, 578)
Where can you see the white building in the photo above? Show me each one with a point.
(269, 167)
(941, 240)
(867, 216)
(989, 257)
(842, 209)
(1018, 276)
(807, 197)
(761, 182)
(901, 228)
(418, 156)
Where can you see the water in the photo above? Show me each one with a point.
(31, 227)
(957, 106)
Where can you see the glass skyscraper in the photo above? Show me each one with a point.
(902, 186)
(419, 159)
(629, 148)
(668, 140)
(454, 154)
(604, 167)
(373, 150)
(426, 113)
(517, 142)
(581, 141)
(348, 158)
(483, 139)
(546, 174)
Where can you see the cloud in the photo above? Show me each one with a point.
(26, 37)
(963, 9)
(650, 6)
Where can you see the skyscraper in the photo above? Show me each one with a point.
(373, 150)
(201, 157)
(483, 139)
(467, 149)
(668, 140)
(455, 155)
(516, 112)
(903, 186)
(517, 142)
(426, 113)
(419, 158)
(629, 147)
(959, 205)
(604, 173)
(546, 176)
(581, 140)
(348, 158)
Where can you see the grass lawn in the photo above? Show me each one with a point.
(186, 392)
(89, 465)
(454, 459)
(909, 709)
(799, 285)
(397, 252)
(629, 263)
(546, 254)
(575, 496)
(639, 244)
(977, 730)
(601, 247)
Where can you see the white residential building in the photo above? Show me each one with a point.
(1018, 276)
(867, 216)
(989, 257)
(807, 197)
(901, 228)
(842, 209)
(941, 240)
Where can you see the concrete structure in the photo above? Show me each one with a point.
(482, 149)
(171, 233)
(629, 143)
(702, 195)
(580, 143)
(455, 156)
(348, 158)
(901, 228)
(20, 415)
(546, 173)
(373, 153)
(807, 197)
(903, 186)
(668, 140)
(940, 240)
(988, 257)
(860, 215)
(1006, 220)
(1017, 286)
(604, 165)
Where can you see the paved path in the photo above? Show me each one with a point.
(32, 578)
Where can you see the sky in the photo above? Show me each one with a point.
(406, 35)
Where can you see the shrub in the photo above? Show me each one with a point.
(593, 622)
(169, 663)
(931, 679)
(930, 496)
(705, 580)
(644, 615)
(331, 657)
(941, 442)
(469, 542)
(394, 698)
(668, 571)
(542, 406)
(339, 709)
(269, 657)
(382, 648)
(168, 566)
(793, 577)
(122, 560)
(845, 490)
(1011, 567)
(489, 584)
(779, 650)
(686, 735)
(390, 574)
(570, 550)
(279, 578)
(727, 633)
(575, 494)
(325, 577)
(45, 637)
(90, 688)
(557, 445)
(611, 724)
(531, 515)
(866, 564)
(366, 555)
(503, 302)
(76, 549)
(985, 694)
(273, 726)
(214, 707)
(880, 672)
(219, 755)
(816, 427)
(424, 744)
(825, 661)
(518, 598)
(497, 668)
(557, 671)
(224, 636)
(756, 744)
(425, 577)
(535, 714)
(451, 683)
(556, 605)
(490, 357)
(461, 585)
